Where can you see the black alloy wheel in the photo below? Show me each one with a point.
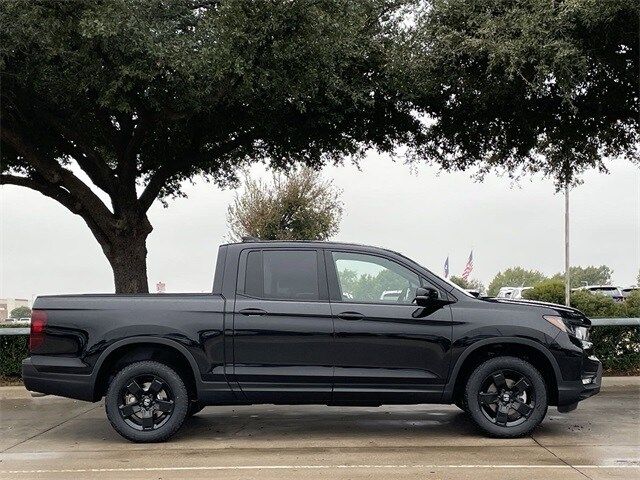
(146, 402)
(506, 396)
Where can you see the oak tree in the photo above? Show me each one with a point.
(138, 96)
(525, 85)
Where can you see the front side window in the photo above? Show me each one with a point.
(282, 275)
(371, 279)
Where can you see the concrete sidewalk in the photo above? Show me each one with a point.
(52, 437)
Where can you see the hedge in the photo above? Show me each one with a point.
(13, 348)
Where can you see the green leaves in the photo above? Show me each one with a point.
(514, 277)
(527, 86)
(297, 206)
(298, 81)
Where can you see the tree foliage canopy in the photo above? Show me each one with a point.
(470, 284)
(142, 95)
(514, 277)
(527, 85)
(590, 275)
(299, 205)
(20, 312)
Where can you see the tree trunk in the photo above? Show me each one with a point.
(128, 259)
(127, 254)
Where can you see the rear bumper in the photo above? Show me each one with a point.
(572, 392)
(55, 379)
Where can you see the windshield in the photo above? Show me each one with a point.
(445, 280)
(456, 287)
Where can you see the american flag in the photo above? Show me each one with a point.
(468, 268)
(446, 267)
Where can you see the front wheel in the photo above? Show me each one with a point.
(506, 397)
(146, 402)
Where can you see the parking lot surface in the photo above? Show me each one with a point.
(56, 438)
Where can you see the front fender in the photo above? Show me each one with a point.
(447, 394)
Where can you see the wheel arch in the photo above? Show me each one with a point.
(134, 349)
(511, 346)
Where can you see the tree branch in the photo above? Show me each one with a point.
(57, 193)
(60, 195)
(127, 165)
(154, 187)
(95, 168)
(164, 173)
(53, 173)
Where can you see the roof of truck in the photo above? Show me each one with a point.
(316, 243)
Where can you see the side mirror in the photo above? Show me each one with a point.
(426, 296)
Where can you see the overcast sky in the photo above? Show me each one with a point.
(425, 215)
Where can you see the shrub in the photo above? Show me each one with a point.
(618, 348)
(546, 291)
(632, 303)
(13, 349)
(20, 312)
(595, 305)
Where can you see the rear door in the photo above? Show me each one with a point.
(387, 349)
(282, 327)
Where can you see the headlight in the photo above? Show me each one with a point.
(579, 332)
(555, 320)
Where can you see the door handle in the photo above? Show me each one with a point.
(252, 311)
(350, 316)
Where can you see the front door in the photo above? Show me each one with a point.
(282, 327)
(387, 350)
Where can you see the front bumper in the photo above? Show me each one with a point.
(57, 379)
(572, 392)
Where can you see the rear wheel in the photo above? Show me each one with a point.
(506, 397)
(146, 402)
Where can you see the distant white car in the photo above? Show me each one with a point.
(390, 295)
(629, 290)
(513, 293)
(17, 320)
(607, 290)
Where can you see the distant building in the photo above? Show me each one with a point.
(8, 304)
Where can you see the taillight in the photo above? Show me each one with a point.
(38, 325)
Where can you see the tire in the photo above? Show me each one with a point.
(194, 408)
(146, 402)
(506, 397)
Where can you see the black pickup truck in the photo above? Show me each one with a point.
(311, 323)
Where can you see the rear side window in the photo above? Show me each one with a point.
(282, 275)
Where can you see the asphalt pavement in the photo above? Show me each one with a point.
(57, 438)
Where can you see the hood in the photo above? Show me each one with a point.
(569, 313)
